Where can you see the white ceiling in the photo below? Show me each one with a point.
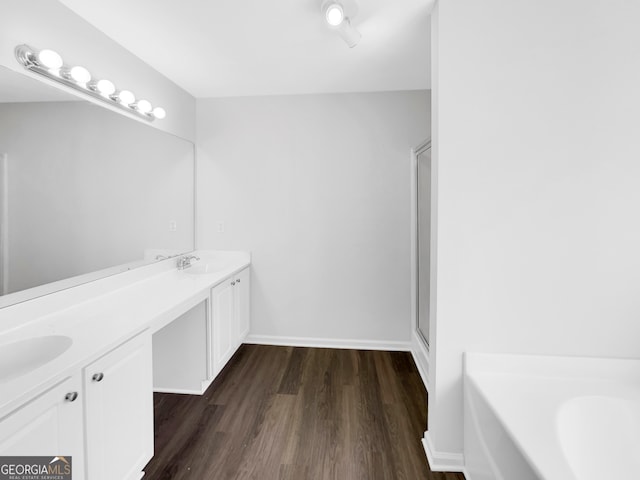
(219, 48)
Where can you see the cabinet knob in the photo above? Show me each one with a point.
(71, 396)
(97, 377)
(233, 283)
(238, 281)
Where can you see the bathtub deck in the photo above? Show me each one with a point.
(298, 413)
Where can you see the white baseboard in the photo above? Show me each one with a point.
(442, 461)
(205, 384)
(177, 390)
(421, 357)
(438, 461)
(184, 391)
(328, 343)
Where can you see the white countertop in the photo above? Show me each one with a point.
(101, 315)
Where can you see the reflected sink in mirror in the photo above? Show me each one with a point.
(24, 356)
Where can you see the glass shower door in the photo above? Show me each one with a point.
(423, 288)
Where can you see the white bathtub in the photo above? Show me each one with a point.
(551, 418)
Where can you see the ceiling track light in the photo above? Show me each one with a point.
(334, 14)
(49, 64)
(349, 33)
(338, 15)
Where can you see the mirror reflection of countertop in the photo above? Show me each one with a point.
(99, 316)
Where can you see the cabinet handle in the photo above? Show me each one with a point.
(71, 396)
(233, 283)
(97, 377)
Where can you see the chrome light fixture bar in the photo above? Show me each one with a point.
(49, 64)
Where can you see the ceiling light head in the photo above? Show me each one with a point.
(334, 14)
(339, 14)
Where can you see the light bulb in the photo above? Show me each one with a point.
(334, 14)
(80, 74)
(159, 113)
(126, 97)
(105, 87)
(49, 59)
(143, 106)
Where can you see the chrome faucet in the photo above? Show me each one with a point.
(185, 262)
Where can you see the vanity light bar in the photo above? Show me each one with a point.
(49, 64)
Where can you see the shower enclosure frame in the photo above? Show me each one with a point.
(422, 342)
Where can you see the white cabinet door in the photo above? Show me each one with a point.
(49, 425)
(119, 411)
(242, 295)
(230, 318)
(222, 318)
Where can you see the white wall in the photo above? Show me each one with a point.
(49, 24)
(539, 186)
(317, 188)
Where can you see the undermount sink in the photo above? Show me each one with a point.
(207, 268)
(23, 356)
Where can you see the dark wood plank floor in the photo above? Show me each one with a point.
(287, 413)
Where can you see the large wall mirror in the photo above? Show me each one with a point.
(85, 192)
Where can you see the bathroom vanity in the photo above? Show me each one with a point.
(78, 367)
